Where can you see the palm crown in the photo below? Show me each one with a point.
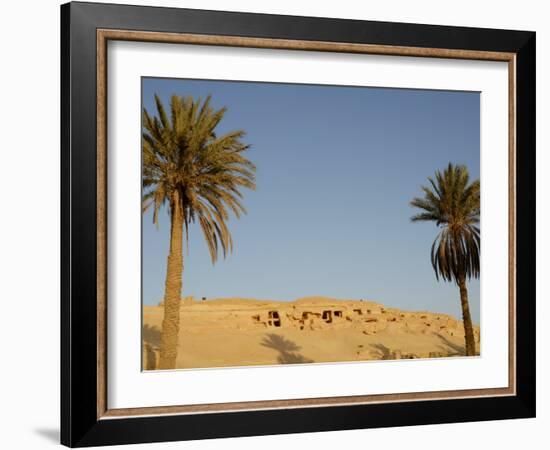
(187, 166)
(454, 204)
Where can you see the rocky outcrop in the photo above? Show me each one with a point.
(314, 314)
(231, 332)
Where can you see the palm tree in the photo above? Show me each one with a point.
(199, 176)
(453, 204)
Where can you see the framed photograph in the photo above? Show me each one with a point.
(276, 224)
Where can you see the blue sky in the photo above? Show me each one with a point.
(337, 168)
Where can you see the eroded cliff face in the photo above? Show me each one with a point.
(367, 325)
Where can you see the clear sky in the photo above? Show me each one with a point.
(337, 168)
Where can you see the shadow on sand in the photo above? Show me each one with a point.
(288, 350)
(450, 347)
(383, 351)
(151, 342)
(151, 335)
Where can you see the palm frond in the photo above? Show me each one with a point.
(184, 159)
(454, 205)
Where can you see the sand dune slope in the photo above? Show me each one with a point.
(244, 332)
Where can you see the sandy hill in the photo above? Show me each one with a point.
(238, 332)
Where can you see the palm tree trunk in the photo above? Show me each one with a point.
(467, 318)
(172, 291)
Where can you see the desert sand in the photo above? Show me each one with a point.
(243, 332)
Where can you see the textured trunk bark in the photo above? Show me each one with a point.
(172, 291)
(467, 319)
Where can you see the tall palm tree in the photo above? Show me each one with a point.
(453, 204)
(199, 176)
